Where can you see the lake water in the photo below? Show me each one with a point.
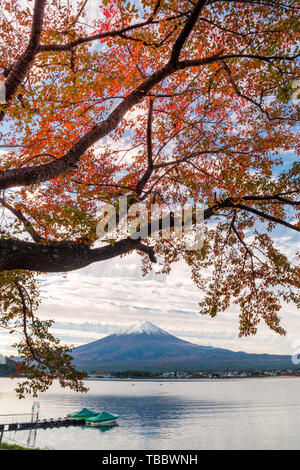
(208, 414)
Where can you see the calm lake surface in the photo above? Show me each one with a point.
(211, 414)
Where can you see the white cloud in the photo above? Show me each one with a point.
(100, 299)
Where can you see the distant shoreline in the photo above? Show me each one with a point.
(175, 380)
(136, 379)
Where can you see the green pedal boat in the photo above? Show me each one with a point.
(102, 419)
(83, 414)
(94, 418)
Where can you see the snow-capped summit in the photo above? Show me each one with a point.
(145, 346)
(144, 327)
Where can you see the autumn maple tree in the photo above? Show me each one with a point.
(162, 102)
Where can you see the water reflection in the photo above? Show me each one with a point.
(241, 415)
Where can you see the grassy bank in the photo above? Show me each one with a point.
(5, 446)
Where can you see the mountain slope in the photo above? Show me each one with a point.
(145, 346)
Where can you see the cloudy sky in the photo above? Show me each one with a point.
(98, 300)
(102, 298)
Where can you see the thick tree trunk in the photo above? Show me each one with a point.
(60, 256)
(22, 66)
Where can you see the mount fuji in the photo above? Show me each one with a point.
(145, 346)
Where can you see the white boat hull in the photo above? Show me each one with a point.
(102, 423)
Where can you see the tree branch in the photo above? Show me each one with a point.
(26, 335)
(186, 31)
(266, 216)
(196, 62)
(143, 181)
(22, 66)
(108, 34)
(40, 173)
(148, 250)
(67, 255)
(27, 224)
